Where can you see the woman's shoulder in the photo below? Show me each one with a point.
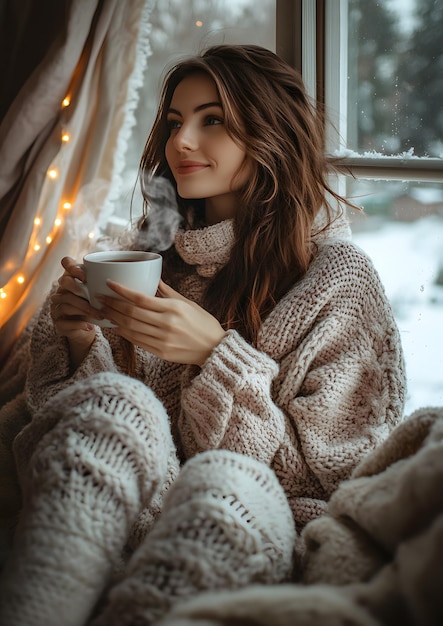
(339, 264)
(340, 278)
(335, 255)
(340, 289)
(342, 255)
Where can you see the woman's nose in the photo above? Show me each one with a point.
(185, 138)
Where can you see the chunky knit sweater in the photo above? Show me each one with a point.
(323, 386)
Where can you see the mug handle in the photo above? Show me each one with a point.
(84, 288)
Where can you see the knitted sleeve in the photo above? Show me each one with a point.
(228, 404)
(49, 367)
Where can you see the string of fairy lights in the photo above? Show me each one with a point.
(11, 292)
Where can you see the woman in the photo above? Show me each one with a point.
(270, 344)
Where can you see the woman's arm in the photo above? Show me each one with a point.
(228, 403)
(50, 368)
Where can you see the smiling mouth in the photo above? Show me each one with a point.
(191, 168)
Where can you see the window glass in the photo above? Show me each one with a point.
(402, 231)
(395, 77)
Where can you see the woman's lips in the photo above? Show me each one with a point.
(190, 167)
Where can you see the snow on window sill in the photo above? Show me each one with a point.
(404, 166)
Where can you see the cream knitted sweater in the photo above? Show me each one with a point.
(323, 386)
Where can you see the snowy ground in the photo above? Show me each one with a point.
(408, 257)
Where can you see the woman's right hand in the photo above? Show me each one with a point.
(69, 310)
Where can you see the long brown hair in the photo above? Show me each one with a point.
(266, 109)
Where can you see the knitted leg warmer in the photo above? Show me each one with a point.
(105, 458)
(225, 523)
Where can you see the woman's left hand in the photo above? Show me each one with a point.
(168, 325)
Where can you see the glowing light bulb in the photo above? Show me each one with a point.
(199, 23)
(66, 137)
(53, 173)
(48, 239)
(37, 247)
(91, 235)
(66, 102)
(37, 221)
(20, 279)
(2, 294)
(67, 206)
(57, 222)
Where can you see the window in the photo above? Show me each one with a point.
(383, 88)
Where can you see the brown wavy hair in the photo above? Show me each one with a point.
(266, 109)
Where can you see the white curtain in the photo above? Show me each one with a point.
(62, 147)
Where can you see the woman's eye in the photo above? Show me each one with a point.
(212, 120)
(173, 124)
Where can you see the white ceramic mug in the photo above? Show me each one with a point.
(137, 270)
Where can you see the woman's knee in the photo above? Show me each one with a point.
(226, 472)
(107, 419)
(221, 485)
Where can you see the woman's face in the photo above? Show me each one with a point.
(202, 156)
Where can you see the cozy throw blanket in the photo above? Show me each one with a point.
(376, 557)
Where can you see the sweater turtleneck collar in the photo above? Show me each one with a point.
(208, 248)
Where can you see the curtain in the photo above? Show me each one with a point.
(63, 140)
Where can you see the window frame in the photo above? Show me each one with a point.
(312, 36)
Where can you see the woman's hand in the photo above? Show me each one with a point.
(69, 310)
(169, 325)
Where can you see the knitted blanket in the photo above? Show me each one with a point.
(376, 557)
